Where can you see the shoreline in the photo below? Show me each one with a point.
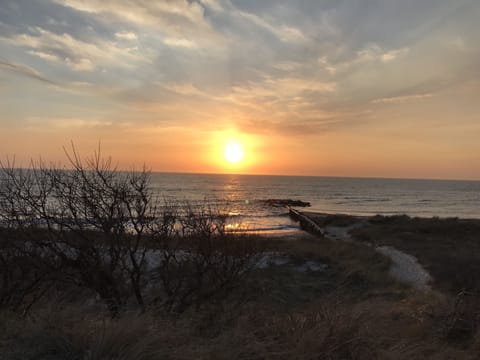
(368, 216)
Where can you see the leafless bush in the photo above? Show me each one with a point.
(90, 219)
(203, 262)
(97, 227)
(24, 275)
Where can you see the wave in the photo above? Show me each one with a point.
(266, 228)
(363, 199)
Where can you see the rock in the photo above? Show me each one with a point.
(285, 202)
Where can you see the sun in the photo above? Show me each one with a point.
(233, 152)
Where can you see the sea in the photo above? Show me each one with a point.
(243, 197)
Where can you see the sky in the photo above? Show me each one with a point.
(374, 88)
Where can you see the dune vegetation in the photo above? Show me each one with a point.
(94, 266)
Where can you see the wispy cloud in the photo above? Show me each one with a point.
(373, 52)
(25, 71)
(36, 122)
(402, 99)
(214, 5)
(283, 32)
(179, 42)
(78, 55)
(281, 62)
(126, 35)
(180, 18)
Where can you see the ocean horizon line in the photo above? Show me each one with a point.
(282, 175)
(313, 176)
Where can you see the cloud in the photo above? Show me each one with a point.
(77, 54)
(36, 122)
(44, 55)
(126, 35)
(281, 31)
(187, 89)
(176, 42)
(178, 18)
(276, 62)
(25, 71)
(373, 52)
(402, 99)
(285, 88)
(215, 5)
(393, 54)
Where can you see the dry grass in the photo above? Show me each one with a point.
(448, 248)
(354, 266)
(326, 328)
(351, 310)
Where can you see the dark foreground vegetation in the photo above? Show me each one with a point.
(94, 266)
(100, 230)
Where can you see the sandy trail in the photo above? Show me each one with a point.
(405, 268)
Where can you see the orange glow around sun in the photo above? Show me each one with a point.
(231, 151)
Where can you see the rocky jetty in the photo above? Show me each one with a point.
(285, 203)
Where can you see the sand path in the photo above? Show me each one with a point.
(405, 268)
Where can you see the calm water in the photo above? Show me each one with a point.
(358, 196)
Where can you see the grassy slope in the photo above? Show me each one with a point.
(352, 310)
(448, 248)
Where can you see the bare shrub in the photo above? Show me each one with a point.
(203, 262)
(97, 227)
(90, 220)
(24, 274)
